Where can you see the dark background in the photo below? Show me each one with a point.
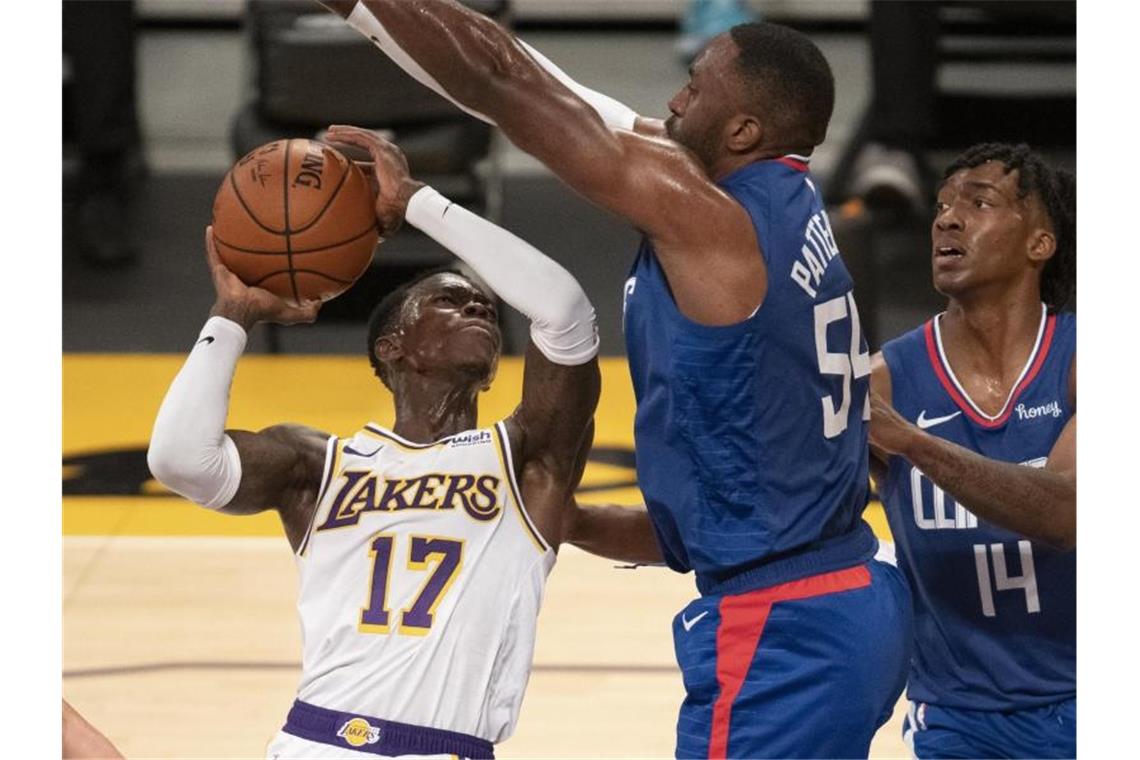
(193, 74)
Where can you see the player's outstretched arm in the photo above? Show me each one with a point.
(613, 112)
(654, 183)
(1039, 503)
(561, 382)
(613, 531)
(482, 68)
(236, 472)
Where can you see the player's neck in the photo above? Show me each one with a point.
(428, 409)
(731, 163)
(993, 336)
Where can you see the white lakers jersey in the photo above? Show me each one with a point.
(421, 579)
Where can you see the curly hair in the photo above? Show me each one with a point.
(1057, 191)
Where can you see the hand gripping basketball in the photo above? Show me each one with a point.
(390, 167)
(296, 218)
(249, 305)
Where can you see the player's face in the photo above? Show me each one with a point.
(983, 235)
(449, 323)
(701, 108)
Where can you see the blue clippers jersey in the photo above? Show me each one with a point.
(751, 440)
(995, 614)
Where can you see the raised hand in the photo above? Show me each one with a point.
(248, 305)
(390, 167)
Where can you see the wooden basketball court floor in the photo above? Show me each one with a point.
(180, 631)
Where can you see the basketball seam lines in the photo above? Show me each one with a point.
(248, 210)
(332, 197)
(288, 233)
(262, 252)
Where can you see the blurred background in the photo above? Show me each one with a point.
(162, 96)
(180, 638)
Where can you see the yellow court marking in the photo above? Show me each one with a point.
(110, 402)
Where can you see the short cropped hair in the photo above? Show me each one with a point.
(1057, 191)
(788, 78)
(385, 316)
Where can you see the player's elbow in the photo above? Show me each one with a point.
(162, 462)
(171, 467)
(209, 477)
(566, 307)
(567, 332)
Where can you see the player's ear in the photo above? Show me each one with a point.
(744, 133)
(1042, 245)
(388, 348)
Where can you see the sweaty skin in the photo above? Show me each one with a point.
(665, 187)
(438, 368)
(988, 249)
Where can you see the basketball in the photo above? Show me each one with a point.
(296, 217)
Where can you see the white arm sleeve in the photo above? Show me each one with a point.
(563, 324)
(189, 451)
(613, 113)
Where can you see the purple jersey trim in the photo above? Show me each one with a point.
(380, 737)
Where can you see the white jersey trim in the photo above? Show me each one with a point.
(332, 457)
(1017, 384)
(516, 493)
(376, 431)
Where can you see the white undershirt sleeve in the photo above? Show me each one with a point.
(614, 113)
(189, 451)
(563, 324)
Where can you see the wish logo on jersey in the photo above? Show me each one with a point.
(365, 491)
(358, 732)
(469, 439)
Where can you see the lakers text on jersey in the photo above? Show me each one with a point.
(421, 579)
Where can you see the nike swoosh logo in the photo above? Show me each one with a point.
(208, 339)
(350, 450)
(925, 422)
(688, 624)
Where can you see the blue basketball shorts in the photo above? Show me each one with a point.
(1049, 731)
(809, 668)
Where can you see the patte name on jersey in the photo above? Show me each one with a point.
(364, 491)
(818, 251)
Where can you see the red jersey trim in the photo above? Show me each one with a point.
(742, 621)
(800, 166)
(936, 362)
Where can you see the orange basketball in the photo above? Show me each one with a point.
(296, 217)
